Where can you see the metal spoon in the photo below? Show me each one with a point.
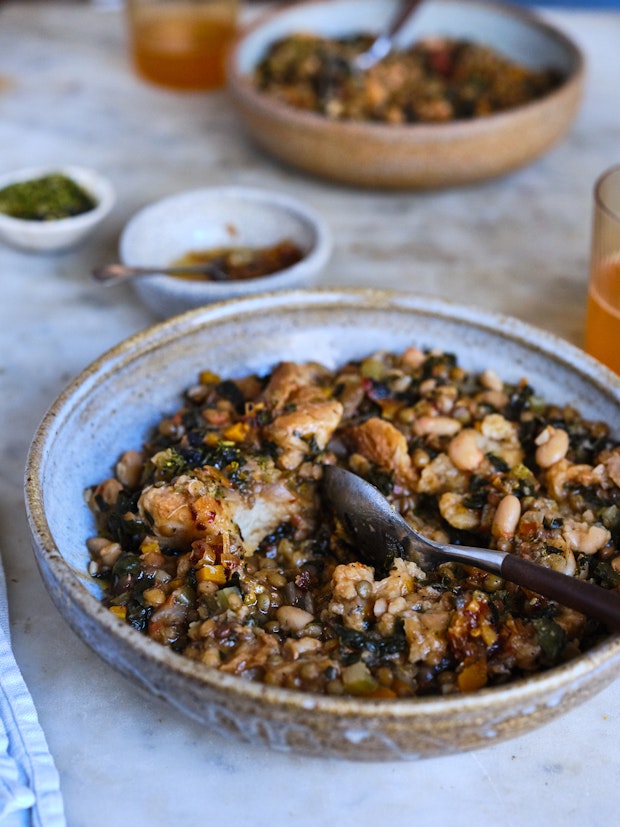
(119, 272)
(383, 44)
(382, 534)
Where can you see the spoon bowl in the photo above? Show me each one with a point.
(382, 534)
(111, 273)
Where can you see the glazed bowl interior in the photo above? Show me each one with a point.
(481, 22)
(417, 155)
(114, 403)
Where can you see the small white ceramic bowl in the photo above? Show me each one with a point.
(62, 233)
(220, 217)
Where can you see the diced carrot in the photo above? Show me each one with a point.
(383, 692)
(148, 545)
(236, 432)
(212, 574)
(473, 676)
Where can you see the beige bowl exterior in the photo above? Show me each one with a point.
(112, 405)
(412, 156)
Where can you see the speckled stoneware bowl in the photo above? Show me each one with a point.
(63, 233)
(221, 217)
(414, 155)
(112, 405)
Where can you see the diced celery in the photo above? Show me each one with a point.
(224, 595)
(358, 680)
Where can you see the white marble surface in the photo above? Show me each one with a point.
(518, 245)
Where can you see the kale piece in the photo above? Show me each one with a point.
(230, 391)
(438, 365)
(269, 544)
(120, 524)
(552, 638)
(478, 492)
(138, 614)
(375, 648)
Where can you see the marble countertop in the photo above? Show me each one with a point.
(518, 245)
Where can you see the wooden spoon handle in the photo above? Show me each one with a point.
(593, 601)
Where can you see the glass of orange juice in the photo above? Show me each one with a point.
(602, 339)
(182, 44)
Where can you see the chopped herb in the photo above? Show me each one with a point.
(45, 199)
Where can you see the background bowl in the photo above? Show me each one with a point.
(62, 233)
(414, 155)
(220, 217)
(113, 404)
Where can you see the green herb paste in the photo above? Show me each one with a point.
(45, 199)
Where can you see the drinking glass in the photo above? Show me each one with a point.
(182, 43)
(602, 339)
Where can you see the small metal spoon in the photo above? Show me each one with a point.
(119, 272)
(382, 534)
(383, 44)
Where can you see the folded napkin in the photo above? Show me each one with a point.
(29, 786)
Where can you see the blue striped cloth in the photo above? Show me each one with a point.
(29, 785)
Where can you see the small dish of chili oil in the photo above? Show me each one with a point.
(240, 263)
(260, 240)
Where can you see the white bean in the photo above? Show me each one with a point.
(413, 357)
(564, 563)
(436, 426)
(129, 469)
(552, 446)
(109, 491)
(464, 450)
(496, 399)
(490, 380)
(293, 619)
(588, 539)
(507, 516)
(458, 515)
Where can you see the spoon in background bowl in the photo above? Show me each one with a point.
(337, 69)
(383, 44)
(381, 534)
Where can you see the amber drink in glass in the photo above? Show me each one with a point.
(182, 44)
(602, 339)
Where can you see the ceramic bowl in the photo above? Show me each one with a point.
(63, 233)
(220, 217)
(113, 404)
(414, 155)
